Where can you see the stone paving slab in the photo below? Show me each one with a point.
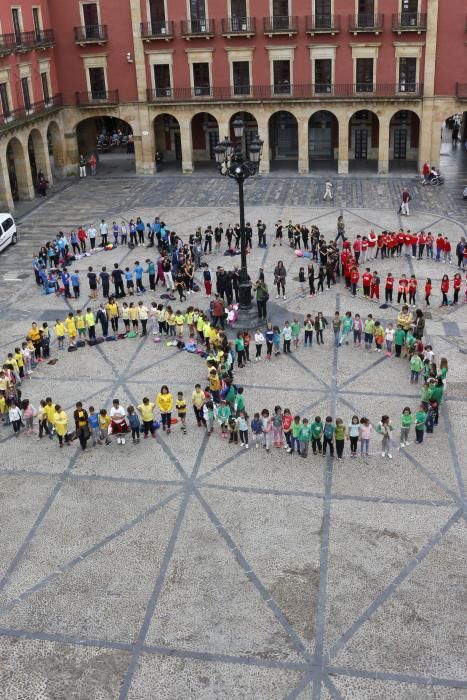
(187, 567)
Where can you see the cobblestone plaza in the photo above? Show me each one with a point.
(189, 568)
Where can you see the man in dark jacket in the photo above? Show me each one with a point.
(102, 317)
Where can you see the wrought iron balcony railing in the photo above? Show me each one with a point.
(157, 30)
(93, 97)
(91, 34)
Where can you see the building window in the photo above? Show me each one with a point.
(26, 94)
(364, 75)
(36, 18)
(97, 83)
(366, 13)
(323, 75)
(281, 75)
(157, 15)
(280, 14)
(407, 74)
(238, 8)
(91, 20)
(45, 87)
(197, 10)
(409, 13)
(201, 79)
(162, 80)
(16, 16)
(4, 100)
(241, 77)
(323, 13)
(238, 15)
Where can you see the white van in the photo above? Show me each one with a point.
(7, 231)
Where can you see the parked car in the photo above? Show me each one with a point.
(8, 233)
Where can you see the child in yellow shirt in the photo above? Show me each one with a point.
(70, 326)
(80, 323)
(179, 321)
(104, 422)
(60, 333)
(170, 320)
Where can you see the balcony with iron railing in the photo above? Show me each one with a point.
(157, 30)
(366, 23)
(238, 26)
(280, 25)
(322, 24)
(408, 91)
(14, 117)
(91, 34)
(409, 22)
(96, 97)
(193, 28)
(7, 44)
(37, 39)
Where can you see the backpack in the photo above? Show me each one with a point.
(111, 337)
(72, 348)
(80, 343)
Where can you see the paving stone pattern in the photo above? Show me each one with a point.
(187, 568)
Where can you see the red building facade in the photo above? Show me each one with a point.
(334, 81)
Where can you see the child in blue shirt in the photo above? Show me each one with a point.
(257, 429)
(328, 436)
(134, 423)
(93, 422)
(138, 270)
(75, 281)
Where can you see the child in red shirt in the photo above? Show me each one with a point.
(354, 277)
(428, 287)
(446, 250)
(445, 289)
(366, 281)
(375, 282)
(457, 283)
(388, 287)
(439, 246)
(412, 290)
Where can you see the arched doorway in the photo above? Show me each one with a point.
(323, 140)
(56, 148)
(363, 141)
(452, 153)
(250, 132)
(205, 137)
(38, 157)
(283, 140)
(18, 171)
(167, 140)
(110, 139)
(404, 137)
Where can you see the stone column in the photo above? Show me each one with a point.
(41, 154)
(263, 132)
(343, 150)
(187, 145)
(72, 153)
(303, 148)
(6, 199)
(144, 144)
(383, 151)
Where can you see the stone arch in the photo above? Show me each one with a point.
(283, 139)
(38, 156)
(56, 147)
(110, 139)
(204, 129)
(19, 171)
(167, 139)
(323, 139)
(404, 140)
(363, 140)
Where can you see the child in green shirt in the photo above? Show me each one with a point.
(296, 429)
(399, 339)
(416, 366)
(295, 326)
(406, 422)
(305, 437)
(340, 434)
(420, 420)
(328, 436)
(317, 428)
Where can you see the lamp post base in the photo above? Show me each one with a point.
(248, 319)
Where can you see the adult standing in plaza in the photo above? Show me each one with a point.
(102, 317)
(328, 190)
(167, 270)
(82, 166)
(104, 231)
(405, 199)
(280, 274)
(104, 278)
(117, 278)
(92, 233)
(218, 312)
(262, 297)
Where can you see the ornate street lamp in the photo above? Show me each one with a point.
(232, 163)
